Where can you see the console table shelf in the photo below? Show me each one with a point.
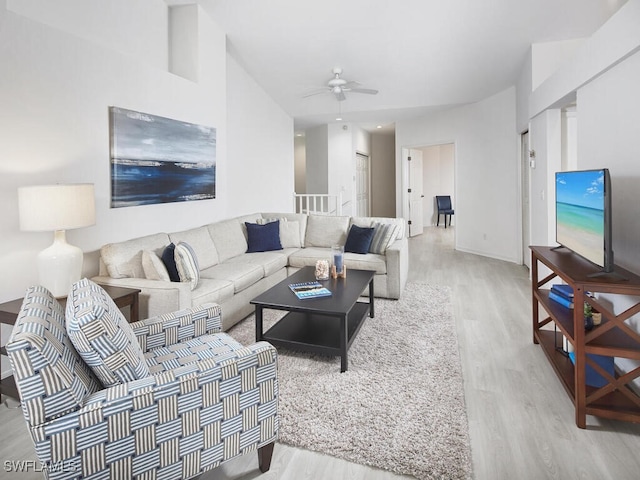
(612, 338)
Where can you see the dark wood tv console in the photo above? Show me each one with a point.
(612, 338)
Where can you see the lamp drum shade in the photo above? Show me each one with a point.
(57, 208)
(45, 208)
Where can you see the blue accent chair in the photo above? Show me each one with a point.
(443, 203)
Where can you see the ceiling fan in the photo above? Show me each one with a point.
(338, 86)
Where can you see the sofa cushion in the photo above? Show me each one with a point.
(270, 262)
(124, 259)
(187, 264)
(359, 239)
(384, 235)
(242, 275)
(200, 240)
(263, 238)
(154, 268)
(102, 336)
(326, 231)
(169, 260)
(307, 257)
(368, 261)
(212, 290)
(228, 238)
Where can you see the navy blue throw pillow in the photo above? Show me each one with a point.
(263, 238)
(359, 239)
(169, 261)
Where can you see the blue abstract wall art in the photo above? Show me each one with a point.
(159, 160)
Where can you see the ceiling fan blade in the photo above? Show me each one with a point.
(370, 91)
(351, 85)
(316, 92)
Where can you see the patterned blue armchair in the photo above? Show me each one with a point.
(199, 400)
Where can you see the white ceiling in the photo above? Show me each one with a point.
(420, 54)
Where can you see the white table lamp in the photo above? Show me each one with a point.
(57, 208)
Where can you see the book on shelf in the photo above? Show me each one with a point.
(563, 290)
(306, 290)
(560, 299)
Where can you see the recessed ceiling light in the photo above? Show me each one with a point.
(379, 126)
(338, 119)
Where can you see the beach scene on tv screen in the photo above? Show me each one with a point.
(580, 213)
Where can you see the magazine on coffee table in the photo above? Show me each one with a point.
(309, 290)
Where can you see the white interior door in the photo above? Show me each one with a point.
(362, 185)
(416, 193)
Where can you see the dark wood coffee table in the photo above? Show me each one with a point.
(326, 325)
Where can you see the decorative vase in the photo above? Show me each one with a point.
(322, 270)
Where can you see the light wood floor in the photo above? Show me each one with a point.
(521, 421)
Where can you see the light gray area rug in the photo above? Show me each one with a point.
(400, 406)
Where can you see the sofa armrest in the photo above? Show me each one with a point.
(397, 256)
(156, 296)
(175, 327)
(176, 407)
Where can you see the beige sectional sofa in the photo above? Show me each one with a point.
(231, 277)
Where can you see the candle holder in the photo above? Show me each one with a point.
(338, 268)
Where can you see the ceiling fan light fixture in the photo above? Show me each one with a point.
(337, 86)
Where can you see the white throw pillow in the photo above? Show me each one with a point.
(187, 264)
(290, 234)
(289, 231)
(153, 267)
(326, 231)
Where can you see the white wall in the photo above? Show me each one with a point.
(545, 140)
(140, 34)
(260, 166)
(317, 159)
(341, 164)
(55, 127)
(617, 39)
(547, 57)
(608, 127)
(603, 77)
(62, 69)
(486, 171)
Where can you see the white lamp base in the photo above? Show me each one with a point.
(59, 266)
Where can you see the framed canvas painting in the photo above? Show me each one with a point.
(159, 160)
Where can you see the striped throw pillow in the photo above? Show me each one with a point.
(102, 336)
(384, 234)
(187, 264)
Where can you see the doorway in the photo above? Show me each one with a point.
(437, 177)
(526, 187)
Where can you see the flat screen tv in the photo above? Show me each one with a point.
(583, 215)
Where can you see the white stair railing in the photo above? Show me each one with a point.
(317, 203)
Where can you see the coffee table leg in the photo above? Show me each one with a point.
(258, 323)
(371, 313)
(344, 364)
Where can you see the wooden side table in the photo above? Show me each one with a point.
(122, 297)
